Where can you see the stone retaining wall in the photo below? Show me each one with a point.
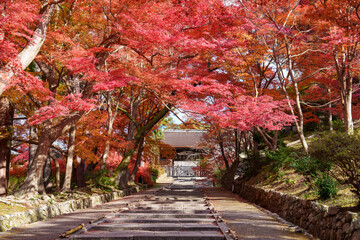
(320, 220)
(18, 219)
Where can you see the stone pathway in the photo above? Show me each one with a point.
(181, 211)
(247, 221)
(178, 212)
(52, 228)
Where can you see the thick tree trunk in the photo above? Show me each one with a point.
(221, 145)
(228, 178)
(28, 54)
(5, 114)
(122, 178)
(70, 159)
(47, 174)
(33, 182)
(80, 172)
(121, 173)
(57, 171)
(57, 174)
(32, 147)
(138, 160)
(105, 154)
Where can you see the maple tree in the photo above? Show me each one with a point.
(96, 78)
(14, 23)
(63, 111)
(339, 21)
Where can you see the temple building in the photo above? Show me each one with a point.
(188, 151)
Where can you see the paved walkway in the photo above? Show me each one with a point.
(54, 227)
(246, 220)
(177, 212)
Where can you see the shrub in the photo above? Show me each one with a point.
(280, 158)
(338, 125)
(326, 186)
(144, 176)
(154, 173)
(342, 153)
(309, 166)
(102, 179)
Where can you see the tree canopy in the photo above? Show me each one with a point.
(88, 82)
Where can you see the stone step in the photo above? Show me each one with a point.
(147, 235)
(155, 227)
(161, 220)
(161, 215)
(184, 211)
(172, 202)
(180, 214)
(180, 208)
(162, 201)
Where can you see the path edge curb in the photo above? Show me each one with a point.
(19, 219)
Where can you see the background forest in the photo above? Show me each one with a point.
(87, 87)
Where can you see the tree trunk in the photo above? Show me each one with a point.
(28, 54)
(347, 110)
(8, 153)
(300, 122)
(57, 171)
(32, 147)
(228, 178)
(300, 125)
(5, 115)
(345, 81)
(330, 113)
(49, 134)
(57, 174)
(221, 145)
(121, 173)
(138, 160)
(271, 142)
(33, 183)
(111, 116)
(70, 159)
(47, 174)
(80, 172)
(105, 154)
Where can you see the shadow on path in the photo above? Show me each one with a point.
(246, 220)
(52, 228)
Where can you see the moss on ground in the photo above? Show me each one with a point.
(7, 208)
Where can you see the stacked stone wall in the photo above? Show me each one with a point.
(19, 219)
(321, 221)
